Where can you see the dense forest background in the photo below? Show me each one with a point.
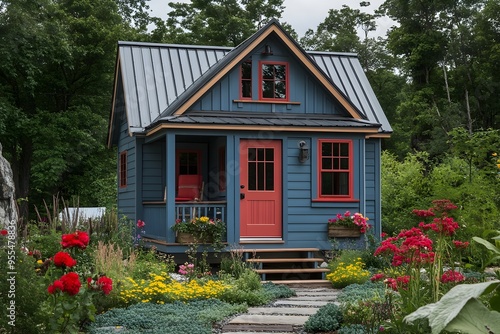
(436, 74)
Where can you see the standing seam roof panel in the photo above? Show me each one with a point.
(141, 88)
(356, 97)
(161, 89)
(168, 74)
(369, 95)
(152, 89)
(129, 80)
(186, 69)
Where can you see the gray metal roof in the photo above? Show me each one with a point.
(155, 75)
(157, 78)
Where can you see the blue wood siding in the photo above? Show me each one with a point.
(373, 186)
(153, 174)
(127, 196)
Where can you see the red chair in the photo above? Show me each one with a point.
(188, 188)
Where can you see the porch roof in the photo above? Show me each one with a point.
(243, 120)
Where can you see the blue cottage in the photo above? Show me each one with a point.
(277, 140)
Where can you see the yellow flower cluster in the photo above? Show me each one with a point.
(346, 274)
(161, 289)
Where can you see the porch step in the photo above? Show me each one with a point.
(287, 264)
(281, 260)
(305, 283)
(292, 271)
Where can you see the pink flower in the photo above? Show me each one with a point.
(377, 277)
(140, 224)
(460, 244)
(451, 276)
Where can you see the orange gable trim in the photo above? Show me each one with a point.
(298, 52)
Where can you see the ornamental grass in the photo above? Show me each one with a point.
(162, 289)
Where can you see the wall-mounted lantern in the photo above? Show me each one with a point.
(303, 151)
(267, 50)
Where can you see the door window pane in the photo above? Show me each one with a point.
(261, 169)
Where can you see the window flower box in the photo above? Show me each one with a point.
(347, 225)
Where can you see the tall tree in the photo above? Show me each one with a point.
(219, 22)
(56, 76)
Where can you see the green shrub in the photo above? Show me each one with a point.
(28, 296)
(193, 317)
(352, 329)
(275, 291)
(43, 245)
(328, 318)
(366, 291)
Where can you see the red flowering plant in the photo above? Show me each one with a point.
(354, 220)
(69, 303)
(417, 257)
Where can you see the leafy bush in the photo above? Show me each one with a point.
(194, 317)
(365, 291)
(248, 289)
(29, 296)
(328, 318)
(275, 291)
(352, 329)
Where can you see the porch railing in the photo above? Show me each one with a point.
(186, 211)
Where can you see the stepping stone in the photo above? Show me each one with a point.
(283, 310)
(318, 298)
(317, 293)
(257, 328)
(298, 320)
(302, 302)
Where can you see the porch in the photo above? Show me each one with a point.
(155, 214)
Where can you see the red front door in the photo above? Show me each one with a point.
(260, 189)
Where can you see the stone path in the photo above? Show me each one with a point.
(284, 316)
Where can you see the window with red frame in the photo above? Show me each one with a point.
(274, 81)
(335, 169)
(246, 79)
(123, 169)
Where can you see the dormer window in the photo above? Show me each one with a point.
(274, 80)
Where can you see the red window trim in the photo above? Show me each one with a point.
(338, 198)
(123, 169)
(287, 80)
(241, 81)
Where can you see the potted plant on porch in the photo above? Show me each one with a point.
(200, 230)
(347, 225)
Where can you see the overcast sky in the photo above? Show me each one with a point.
(300, 14)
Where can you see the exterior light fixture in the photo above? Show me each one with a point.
(267, 50)
(303, 151)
